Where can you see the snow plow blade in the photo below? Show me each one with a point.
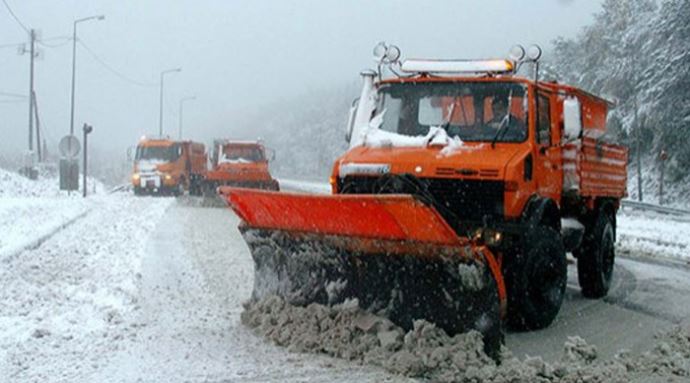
(393, 253)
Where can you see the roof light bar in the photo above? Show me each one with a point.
(457, 66)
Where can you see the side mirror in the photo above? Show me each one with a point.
(129, 154)
(572, 119)
(271, 154)
(351, 120)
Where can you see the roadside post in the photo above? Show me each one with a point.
(662, 160)
(87, 129)
(69, 164)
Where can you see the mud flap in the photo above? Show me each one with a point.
(392, 253)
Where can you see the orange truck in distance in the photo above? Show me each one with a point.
(463, 188)
(165, 166)
(240, 163)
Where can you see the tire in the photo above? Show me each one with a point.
(179, 189)
(536, 280)
(596, 257)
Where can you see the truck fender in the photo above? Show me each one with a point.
(540, 210)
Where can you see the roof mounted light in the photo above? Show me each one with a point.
(392, 53)
(517, 53)
(387, 54)
(533, 52)
(380, 50)
(457, 66)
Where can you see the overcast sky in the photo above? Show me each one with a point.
(236, 55)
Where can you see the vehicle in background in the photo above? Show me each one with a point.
(239, 163)
(165, 166)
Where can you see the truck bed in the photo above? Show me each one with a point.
(594, 168)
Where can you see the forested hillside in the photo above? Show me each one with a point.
(637, 53)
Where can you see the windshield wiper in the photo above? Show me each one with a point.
(445, 124)
(504, 123)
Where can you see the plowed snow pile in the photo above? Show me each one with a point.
(426, 352)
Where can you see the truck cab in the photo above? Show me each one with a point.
(164, 166)
(519, 164)
(240, 163)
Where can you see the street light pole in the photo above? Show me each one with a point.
(160, 109)
(182, 101)
(74, 64)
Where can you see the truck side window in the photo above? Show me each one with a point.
(544, 121)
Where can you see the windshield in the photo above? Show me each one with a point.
(472, 111)
(242, 154)
(162, 153)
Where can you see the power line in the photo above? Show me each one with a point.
(11, 45)
(115, 72)
(15, 17)
(66, 39)
(10, 94)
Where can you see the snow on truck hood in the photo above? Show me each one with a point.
(422, 155)
(428, 161)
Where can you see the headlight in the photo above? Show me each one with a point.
(136, 176)
(490, 237)
(363, 169)
(168, 177)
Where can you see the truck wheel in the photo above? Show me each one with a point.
(536, 283)
(595, 258)
(179, 188)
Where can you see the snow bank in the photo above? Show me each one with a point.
(652, 234)
(345, 331)
(47, 185)
(66, 304)
(26, 222)
(32, 210)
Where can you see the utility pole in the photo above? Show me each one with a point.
(32, 56)
(637, 127)
(38, 128)
(663, 156)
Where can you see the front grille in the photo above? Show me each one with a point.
(461, 201)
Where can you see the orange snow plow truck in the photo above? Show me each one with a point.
(239, 163)
(165, 166)
(463, 188)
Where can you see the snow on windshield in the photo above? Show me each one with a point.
(376, 137)
(240, 155)
(472, 111)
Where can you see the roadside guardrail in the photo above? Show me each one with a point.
(653, 207)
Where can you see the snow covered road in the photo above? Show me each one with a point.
(151, 289)
(195, 275)
(143, 289)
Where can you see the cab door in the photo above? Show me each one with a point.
(548, 162)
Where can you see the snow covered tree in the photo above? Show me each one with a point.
(665, 89)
